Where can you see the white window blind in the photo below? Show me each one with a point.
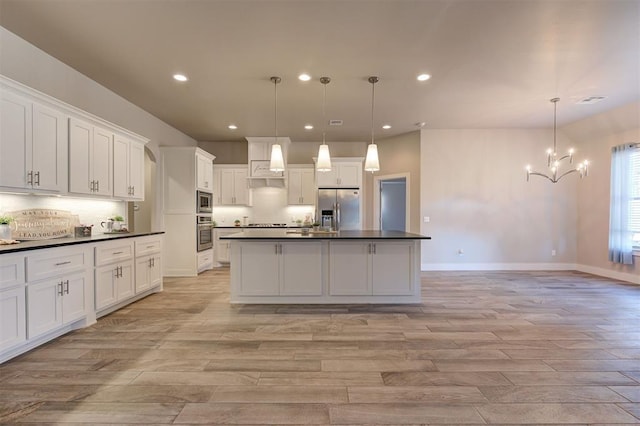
(634, 206)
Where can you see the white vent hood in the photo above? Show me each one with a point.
(259, 158)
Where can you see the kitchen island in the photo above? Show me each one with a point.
(284, 266)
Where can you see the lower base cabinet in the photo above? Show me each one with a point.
(148, 272)
(280, 268)
(114, 283)
(55, 302)
(13, 329)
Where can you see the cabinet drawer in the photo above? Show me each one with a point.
(148, 245)
(114, 251)
(11, 270)
(58, 261)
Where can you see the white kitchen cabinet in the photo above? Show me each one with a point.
(55, 302)
(204, 172)
(114, 280)
(372, 268)
(148, 270)
(350, 268)
(33, 145)
(90, 159)
(301, 186)
(280, 268)
(128, 169)
(13, 329)
(345, 173)
(12, 270)
(233, 186)
(205, 260)
(221, 248)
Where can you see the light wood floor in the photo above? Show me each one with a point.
(482, 348)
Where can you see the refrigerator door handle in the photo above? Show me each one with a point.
(336, 214)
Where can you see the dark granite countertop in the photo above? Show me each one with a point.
(59, 242)
(280, 234)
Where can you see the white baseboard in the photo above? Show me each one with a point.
(622, 276)
(498, 267)
(616, 275)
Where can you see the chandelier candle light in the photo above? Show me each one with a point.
(371, 163)
(277, 161)
(553, 162)
(324, 158)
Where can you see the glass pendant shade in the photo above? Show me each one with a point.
(324, 159)
(371, 163)
(277, 160)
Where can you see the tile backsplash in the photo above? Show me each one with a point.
(90, 211)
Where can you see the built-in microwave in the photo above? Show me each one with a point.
(205, 202)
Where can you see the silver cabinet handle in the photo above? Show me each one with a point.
(66, 287)
(369, 248)
(63, 263)
(60, 290)
(117, 252)
(153, 262)
(97, 186)
(37, 175)
(276, 248)
(374, 248)
(133, 190)
(30, 177)
(91, 186)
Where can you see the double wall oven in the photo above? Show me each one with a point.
(204, 232)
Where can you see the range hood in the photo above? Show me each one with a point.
(259, 157)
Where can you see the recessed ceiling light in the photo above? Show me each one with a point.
(232, 126)
(308, 126)
(304, 77)
(180, 77)
(423, 77)
(386, 126)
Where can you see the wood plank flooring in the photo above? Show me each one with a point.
(482, 348)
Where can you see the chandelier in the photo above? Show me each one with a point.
(554, 162)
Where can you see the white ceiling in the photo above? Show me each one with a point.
(494, 63)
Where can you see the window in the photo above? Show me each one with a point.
(634, 205)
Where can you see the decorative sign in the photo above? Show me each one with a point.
(42, 224)
(260, 168)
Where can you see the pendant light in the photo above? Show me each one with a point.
(277, 161)
(324, 158)
(554, 162)
(371, 163)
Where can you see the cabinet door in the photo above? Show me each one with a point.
(74, 304)
(350, 261)
(121, 185)
(349, 175)
(80, 139)
(240, 187)
(124, 282)
(301, 269)
(105, 286)
(102, 161)
(50, 143)
(328, 179)
(204, 173)
(294, 191)
(136, 171)
(155, 272)
(44, 307)
(13, 325)
(15, 140)
(227, 195)
(308, 187)
(217, 188)
(143, 264)
(259, 269)
(392, 268)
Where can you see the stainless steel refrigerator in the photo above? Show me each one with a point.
(341, 207)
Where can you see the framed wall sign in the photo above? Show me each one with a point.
(260, 168)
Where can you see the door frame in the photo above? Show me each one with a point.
(377, 180)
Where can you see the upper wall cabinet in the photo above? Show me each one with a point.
(49, 146)
(90, 159)
(301, 188)
(345, 173)
(128, 169)
(33, 145)
(204, 172)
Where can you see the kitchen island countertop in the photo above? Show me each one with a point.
(59, 242)
(279, 234)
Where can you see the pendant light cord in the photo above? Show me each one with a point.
(324, 115)
(275, 108)
(373, 97)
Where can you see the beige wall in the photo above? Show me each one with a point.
(474, 189)
(597, 135)
(399, 154)
(227, 152)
